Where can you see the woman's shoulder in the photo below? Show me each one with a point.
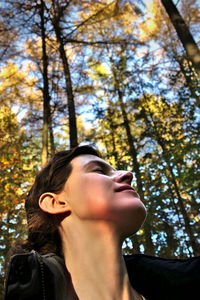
(36, 276)
(162, 278)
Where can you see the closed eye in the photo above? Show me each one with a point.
(99, 171)
(100, 167)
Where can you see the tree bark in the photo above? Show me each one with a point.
(69, 90)
(46, 97)
(184, 34)
(70, 96)
(52, 144)
(112, 134)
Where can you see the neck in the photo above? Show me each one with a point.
(94, 260)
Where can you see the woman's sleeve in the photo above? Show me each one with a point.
(166, 279)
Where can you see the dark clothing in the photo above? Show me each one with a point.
(164, 279)
(35, 277)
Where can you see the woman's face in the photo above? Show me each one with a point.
(95, 191)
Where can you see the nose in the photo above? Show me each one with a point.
(123, 176)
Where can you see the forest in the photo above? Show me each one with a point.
(122, 76)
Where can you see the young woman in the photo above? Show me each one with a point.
(82, 209)
(79, 211)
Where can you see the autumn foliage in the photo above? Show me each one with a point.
(114, 74)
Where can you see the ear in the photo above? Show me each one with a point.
(53, 203)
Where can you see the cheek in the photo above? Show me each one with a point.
(91, 197)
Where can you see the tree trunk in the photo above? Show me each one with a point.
(149, 247)
(160, 141)
(195, 91)
(69, 90)
(184, 34)
(112, 134)
(181, 203)
(134, 239)
(71, 105)
(189, 74)
(52, 145)
(136, 244)
(46, 97)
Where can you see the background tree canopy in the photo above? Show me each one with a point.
(123, 76)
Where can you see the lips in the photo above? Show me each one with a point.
(125, 187)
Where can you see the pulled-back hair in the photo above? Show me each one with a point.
(43, 235)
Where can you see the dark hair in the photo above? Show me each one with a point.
(43, 235)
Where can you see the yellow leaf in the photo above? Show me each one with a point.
(141, 231)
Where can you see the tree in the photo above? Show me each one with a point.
(47, 124)
(16, 173)
(123, 66)
(189, 44)
(8, 40)
(57, 10)
(163, 135)
(130, 85)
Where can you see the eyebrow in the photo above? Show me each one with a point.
(99, 163)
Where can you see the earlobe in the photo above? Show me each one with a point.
(50, 202)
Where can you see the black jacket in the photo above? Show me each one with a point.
(35, 277)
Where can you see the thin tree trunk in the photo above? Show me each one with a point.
(46, 97)
(190, 82)
(134, 238)
(188, 227)
(171, 243)
(112, 131)
(184, 34)
(136, 244)
(149, 247)
(44, 155)
(70, 96)
(7, 242)
(181, 204)
(190, 79)
(69, 90)
(52, 144)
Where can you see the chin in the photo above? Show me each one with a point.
(133, 221)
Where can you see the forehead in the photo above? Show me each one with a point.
(84, 160)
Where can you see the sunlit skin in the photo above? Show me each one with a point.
(100, 209)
